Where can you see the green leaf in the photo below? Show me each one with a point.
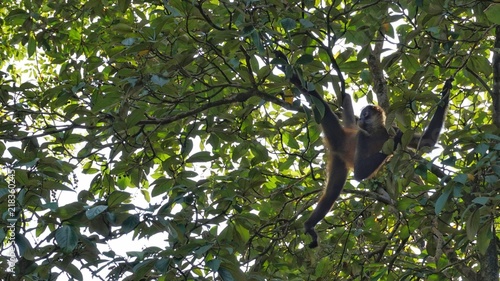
(66, 238)
(123, 5)
(482, 148)
(53, 185)
(172, 231)
(128, 41)
(85, 151)
(142, 268)
(174, 11)
(71, 269)
(16, 17)
(159, 80)
(248, 30)
(481, 200)
(442, 200)
(146, 194)
(202, 156)
(122, 28)
(95, 211)
(461, 178)
(288, 24)
(421, 170)
(260, 152)
(29, 164)
(484, 237)
(25, 248)
(257, 41)
(161, 186)
(242, 232)
(225, 274)
(319, 109)
(239, 151)
(492, 13)
(354, 67)
(117, 197)
(199, 252)
(214, 264)
(306, 23)
(69, 210)
(162, 264)
(130, 223)
(290, 140)
(135, 116)
(472, 225)
(2, 148)
(16, 152)
(123, 181)
(31, 46)
(305, 59)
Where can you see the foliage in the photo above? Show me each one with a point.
(180, 105)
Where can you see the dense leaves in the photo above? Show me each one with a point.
(161, 140)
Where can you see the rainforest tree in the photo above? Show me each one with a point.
(159, 140)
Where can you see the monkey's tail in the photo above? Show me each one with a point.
(337, 175)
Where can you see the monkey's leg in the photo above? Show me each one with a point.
(337, 175)
(366, 167)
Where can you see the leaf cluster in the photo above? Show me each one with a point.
(170, 125)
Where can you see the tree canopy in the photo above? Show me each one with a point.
(171, 121)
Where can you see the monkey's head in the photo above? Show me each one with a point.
(372, 118)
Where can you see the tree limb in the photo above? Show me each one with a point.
(495, 95)
(242, 97)
(379, 82)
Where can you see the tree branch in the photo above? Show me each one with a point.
(379, 197)
(167, 120)
(242, 97)
(495, 95)
(379, 82)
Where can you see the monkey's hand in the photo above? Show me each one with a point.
(447, 86)
(314, 236)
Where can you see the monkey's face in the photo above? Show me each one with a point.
(372, 117)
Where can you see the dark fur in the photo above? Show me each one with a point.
(359, 147)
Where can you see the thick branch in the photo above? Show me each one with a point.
(384, 198)
(47, 132)
(495, 95)
(466, 271)
(489, 261)
(379, 82)
(167, 120)
(229, 100)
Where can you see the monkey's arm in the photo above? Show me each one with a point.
(337, 174)
(330, 123)
(348, 111)
(431, 135)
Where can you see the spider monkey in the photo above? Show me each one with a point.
(358, 146)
